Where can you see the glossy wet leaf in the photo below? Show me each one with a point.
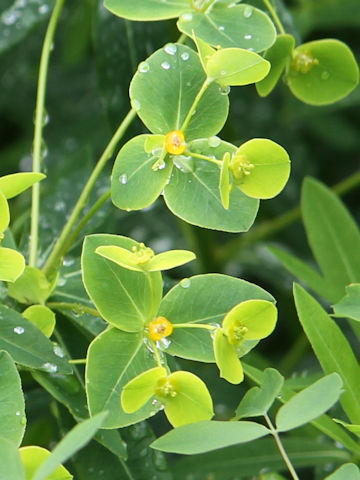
(192, 402)
(16, 183)
(125, 299)
(349, 305)
(32, 457)
(115, 358)
(258, 400)
(230, 26)
(31, 287)
(27, 345)
(10, 461)
(73, 441)
(193, 192)
(226, 358)
(235, 66)
(174, 76)
(135, 184)
(12, 404)
(42, 317)
(271, 168)
(257, 316)
(345, 472)
(206, 436)
(140, 389)
(309, 403)
(4, 213)
(12, 264)
(277, 55)
(148, 9)
(331, 348)
(224, 183)
(322, 72)
(188, 303)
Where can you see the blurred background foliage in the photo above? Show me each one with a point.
(94, 57)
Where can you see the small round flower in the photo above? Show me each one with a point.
(175, 142)
(160, 328)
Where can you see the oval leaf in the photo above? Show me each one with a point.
(12, 185)
(42, 317)
(170, 259)
(226, 359)
(32, 457)
(147, 9)
(12, 264)
(31, 287)
(345, 472)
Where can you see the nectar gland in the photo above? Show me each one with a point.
(175, 142)
(160, 328)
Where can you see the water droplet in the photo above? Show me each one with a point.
(18, 413)
(214, 142)
(248, 36)
(9, 18)
(143, 67)
(58, 351)
(170, 49)
(224, 90)
(221, 28)
(50, 367)
(186, 17)
(185, 56)
(19, 330)
(163, 343)
(185, 283)
(68, 261)
(325, 75)
(123, 178)
(339, 445)
(43, 9)
(61, 281)
(161, 165)
(60, 206)
(136, 105)
(250, 49)
(248, 11)
(166, 65)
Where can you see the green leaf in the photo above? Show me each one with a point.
(122, 257)
(12, 405)
(206, 436)
(270, 171)
(322, 72)
(42, 317)
(188, 303)
(355, 429)
(331, 348)
(204, 50)
(226, 359)
(140, 389)
(32, 457)
(235, 66)
(10, 461)
(174, 76)
(16, 183)
(224, 183)
(125, 299)
(148, 9)
(345, 472)
(257, 401)
(27, 345)
(349, 305)
(115, 358)
(170, 259)
(277, 55)
(192, 401)
(193, 192)
(31, 287)
(310, 403)
(12, 264)
(135, 184)
(333, 236)
(73, 441)
(4, 213)
(230, 26)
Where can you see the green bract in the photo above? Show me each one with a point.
(12, 264)
(16, 183)
(32, 457)
(42, 317)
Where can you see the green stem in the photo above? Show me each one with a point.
(204, 157)
(182, 39)
(197, 99)
(78, 361)
(57, 252)
(281, 448)
(39, 123)
(156, 353)
(76, 307)
(275, 16)
(194, 325)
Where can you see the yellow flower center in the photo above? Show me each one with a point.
(160, 328)
(143, 254)
(303, 62)
(240, 166)
(236, 334)
(175, 142)
(165, 388)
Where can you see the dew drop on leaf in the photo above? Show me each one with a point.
(18, 413)
(50, 367)
(185, 56)
(170, 49)
(166, 65)
(19, 330)
(248, 11)
(214, 142)
(58, 351)
(221, 28)
(186, 17)
(248, 36)
(143, 67)
(185, 283)
(224, 90)
(123, 178)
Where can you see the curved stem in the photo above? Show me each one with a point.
(39, 123)
(281, 448)
(275, 16)
(56, 254)
(76, 307)
(197, 99)
(204, 157)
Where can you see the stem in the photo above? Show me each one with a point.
(281, 448)
(275, 16)
(76, 307)
(156, 353)
(182, 39)
(204, 157)
(56, 255)
(39, 116)
(193, 325)
(78, 361)
(195, 104)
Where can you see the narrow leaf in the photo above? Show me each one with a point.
(33, 457)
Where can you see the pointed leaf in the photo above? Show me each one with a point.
(12, 264)
(170, 259)
(147, 9)
(10, 461)
(309, 403)
(345, 472)
(226, 359)
(206, 436)
(42, 317)
(125, 299)
(174, 76)
(230, 26)
(331, 348)
(16, 183)
(349, 305)
(32, 457)
(140, 389)
(4, 213)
